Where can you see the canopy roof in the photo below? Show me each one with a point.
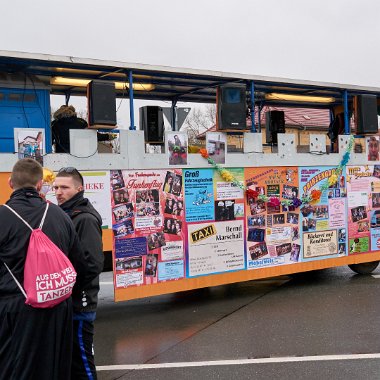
(169, 83)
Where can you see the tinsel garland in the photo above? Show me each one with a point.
(313, 197)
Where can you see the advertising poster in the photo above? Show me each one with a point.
(96, 189)
(229, 198)
(319, 243)
(147, 222)
(323, 221)
(96, 185)
(215, 238)
(199, 194)
(273, 236)
(215, 247)
(363, 185)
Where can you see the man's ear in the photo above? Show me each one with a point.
(39, 185)
(10, 183)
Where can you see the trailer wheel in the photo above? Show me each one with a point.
(364, 268)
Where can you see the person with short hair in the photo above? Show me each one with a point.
(68, 187)
(35, 343)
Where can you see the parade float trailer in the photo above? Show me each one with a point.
(177, 221)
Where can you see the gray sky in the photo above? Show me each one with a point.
(323, 40)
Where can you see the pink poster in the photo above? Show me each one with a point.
(147, 222)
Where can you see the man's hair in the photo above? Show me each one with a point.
(71, 173)
(26, 173)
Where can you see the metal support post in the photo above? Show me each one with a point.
(253, 126)
(174, 119)
(131, 107)
(345, 107)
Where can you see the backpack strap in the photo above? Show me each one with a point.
(16, 281)
(44, 216)
(29, 226)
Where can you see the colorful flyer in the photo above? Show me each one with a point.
(148, 215)
(272, 228)
(363, 186)
(323, 220)
(199, 194)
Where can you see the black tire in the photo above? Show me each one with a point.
(364, 268)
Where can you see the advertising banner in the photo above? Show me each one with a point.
(199, 194)
(363, 186)
(324, 219)
(147, 221)
(272, 228)
(215, 247)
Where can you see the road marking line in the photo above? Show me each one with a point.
(376, 275)
(289, 359)
(106, 283)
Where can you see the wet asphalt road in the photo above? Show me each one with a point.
(330, 312)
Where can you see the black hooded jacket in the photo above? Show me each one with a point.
(14, 239)
(88, 224)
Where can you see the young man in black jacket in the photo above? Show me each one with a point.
(34, 343)
(69, 192)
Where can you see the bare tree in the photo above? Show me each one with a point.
(199, 121)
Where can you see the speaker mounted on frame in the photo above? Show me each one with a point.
(152, 123)
(231, 107)
(101, 97)
(366, 114)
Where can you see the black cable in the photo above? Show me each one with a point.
(122, 95)
(22, 102)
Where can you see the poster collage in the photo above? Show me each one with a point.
(183, 223)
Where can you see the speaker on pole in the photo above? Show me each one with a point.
(101, 103)
(366, 114)
(231, 107)
(274, 124)
(152, 123)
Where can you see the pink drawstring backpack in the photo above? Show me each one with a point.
(49, 276)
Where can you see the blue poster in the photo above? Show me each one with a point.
(199, 194)
(130, 247)
(170, 270)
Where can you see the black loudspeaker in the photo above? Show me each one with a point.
(274, 123)
(101, 103)
(232, 107)
(152, 123)
(366, 113)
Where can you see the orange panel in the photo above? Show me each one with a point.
(5, 191)
(245, 275)
(107, 240)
